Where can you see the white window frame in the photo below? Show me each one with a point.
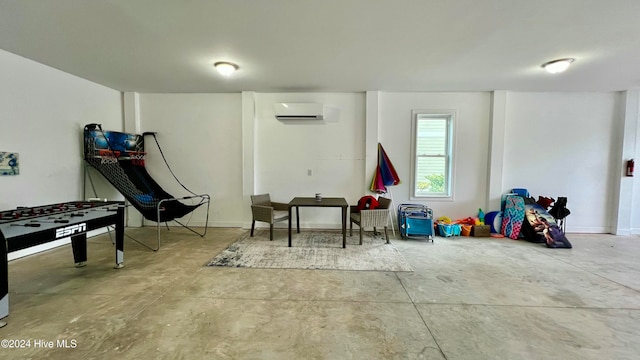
(450, 116)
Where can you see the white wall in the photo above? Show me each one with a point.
(470, 148)
(283, 152)
(201, 138)
(555, 144)
(43, 112)
(635, 144)
(565, 144)
(332, 150)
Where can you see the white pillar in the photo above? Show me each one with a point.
(248, 152)
(131, 107)
(623, 210)
(372, 135)
(496, 149)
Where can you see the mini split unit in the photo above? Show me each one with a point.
(299, 111)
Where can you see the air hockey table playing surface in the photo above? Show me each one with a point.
(24, 227)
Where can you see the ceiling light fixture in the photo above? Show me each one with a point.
(557, 66)
(225, 68)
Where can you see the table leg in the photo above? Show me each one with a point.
(120, 238)
(344, 227)
(289, 226)
(4, 278)
(298, 218)
(79, 248)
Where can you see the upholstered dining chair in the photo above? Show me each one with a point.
(378, 217)
(263, 209)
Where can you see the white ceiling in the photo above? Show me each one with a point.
(331, 45)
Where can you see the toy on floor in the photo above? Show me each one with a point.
(541, 227)
(513, 216)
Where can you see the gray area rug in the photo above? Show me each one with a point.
(312, 250)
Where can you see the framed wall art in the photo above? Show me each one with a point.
(9, 164)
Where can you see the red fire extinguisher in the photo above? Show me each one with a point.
(630, 165)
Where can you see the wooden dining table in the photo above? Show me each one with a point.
(298, 202)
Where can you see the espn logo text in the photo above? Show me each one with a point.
(71, 230)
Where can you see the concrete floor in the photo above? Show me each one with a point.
(468, 298)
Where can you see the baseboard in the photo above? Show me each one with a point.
(632, 231)
(233, 224)
(603, 230)
(284, 226)
(247, 225)
(588, 230)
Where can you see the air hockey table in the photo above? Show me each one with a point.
(25, 227)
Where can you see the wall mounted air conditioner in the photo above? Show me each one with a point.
(299, 111)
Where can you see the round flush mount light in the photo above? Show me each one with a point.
(225, 68)
(557, 66)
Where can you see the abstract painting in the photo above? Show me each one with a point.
(9, 164)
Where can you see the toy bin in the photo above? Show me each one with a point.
(449, 230)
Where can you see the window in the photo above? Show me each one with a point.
(432, 154)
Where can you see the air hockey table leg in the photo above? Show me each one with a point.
(79, 247)
(4, 278)
(120, 239)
